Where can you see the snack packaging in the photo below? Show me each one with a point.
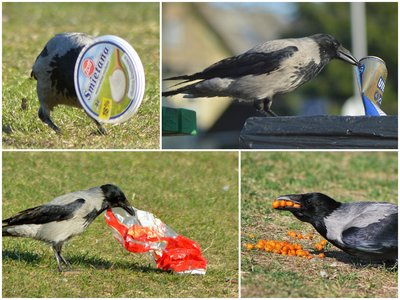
(144, 233)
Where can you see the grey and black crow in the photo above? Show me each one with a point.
(65, 216)
(268, 69)
(367, 230)
(54, 72)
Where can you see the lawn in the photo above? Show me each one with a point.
(345, 176)
(138, 23)
(194, 193)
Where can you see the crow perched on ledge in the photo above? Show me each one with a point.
(271, 68)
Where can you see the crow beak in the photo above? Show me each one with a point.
(127, 208)
(344, 54)
(287, 202)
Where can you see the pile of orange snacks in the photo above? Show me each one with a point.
(287, 248)
(300, 236)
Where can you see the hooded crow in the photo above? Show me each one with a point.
(65, 217)
(366, 230)
(271, 68)
(54, 72)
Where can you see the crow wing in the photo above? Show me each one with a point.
(248, 63)
(378, 237)
(45, 214)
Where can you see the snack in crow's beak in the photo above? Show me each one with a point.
(275, 204)
(289, 203)
(284, 204)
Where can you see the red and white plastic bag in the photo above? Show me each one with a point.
(144, 233)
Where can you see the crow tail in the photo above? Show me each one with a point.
(187, 89)
(171, 93)
(5, 231)
(181, 77)
(33, 75)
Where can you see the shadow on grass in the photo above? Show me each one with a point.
(99, 263)
(359, 262)
(18, 255)
(78, 260)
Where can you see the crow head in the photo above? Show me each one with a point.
(330, 48)
(311, 207)
(114, 197)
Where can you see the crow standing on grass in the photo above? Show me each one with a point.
(271, 68)
(65, 216)
(54, 72)
(366, 230)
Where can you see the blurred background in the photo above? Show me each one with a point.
(196, 35)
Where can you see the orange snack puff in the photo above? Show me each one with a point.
(318, 247)
(248, 246)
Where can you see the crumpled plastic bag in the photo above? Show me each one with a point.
(144, 233)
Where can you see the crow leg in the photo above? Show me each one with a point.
(64, 260)
(263, 106)
(259, 106)
(60, 259)
(271, 113)
(267, 107)
(44, 115)
(100, 127)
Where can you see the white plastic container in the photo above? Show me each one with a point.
(109, 79)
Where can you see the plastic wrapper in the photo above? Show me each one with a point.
(371, 77)
(144, 233)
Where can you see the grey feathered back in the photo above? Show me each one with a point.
(54, 69)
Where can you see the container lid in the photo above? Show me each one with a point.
(372, 58)
(109, 79)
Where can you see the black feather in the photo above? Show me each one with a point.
(248, 63)
(181, 77)
(45, 214)
(173, 92)
(44, 53)
(62, 75)
(379, 237)
(89, 218)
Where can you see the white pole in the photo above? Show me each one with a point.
(358, 35)
(353, 106)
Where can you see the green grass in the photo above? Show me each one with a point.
(138, 23)
(195, 193)
(345, 176)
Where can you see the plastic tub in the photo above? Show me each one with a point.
(109, 79)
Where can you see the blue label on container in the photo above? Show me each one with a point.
(370, 108)
(381, 84)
